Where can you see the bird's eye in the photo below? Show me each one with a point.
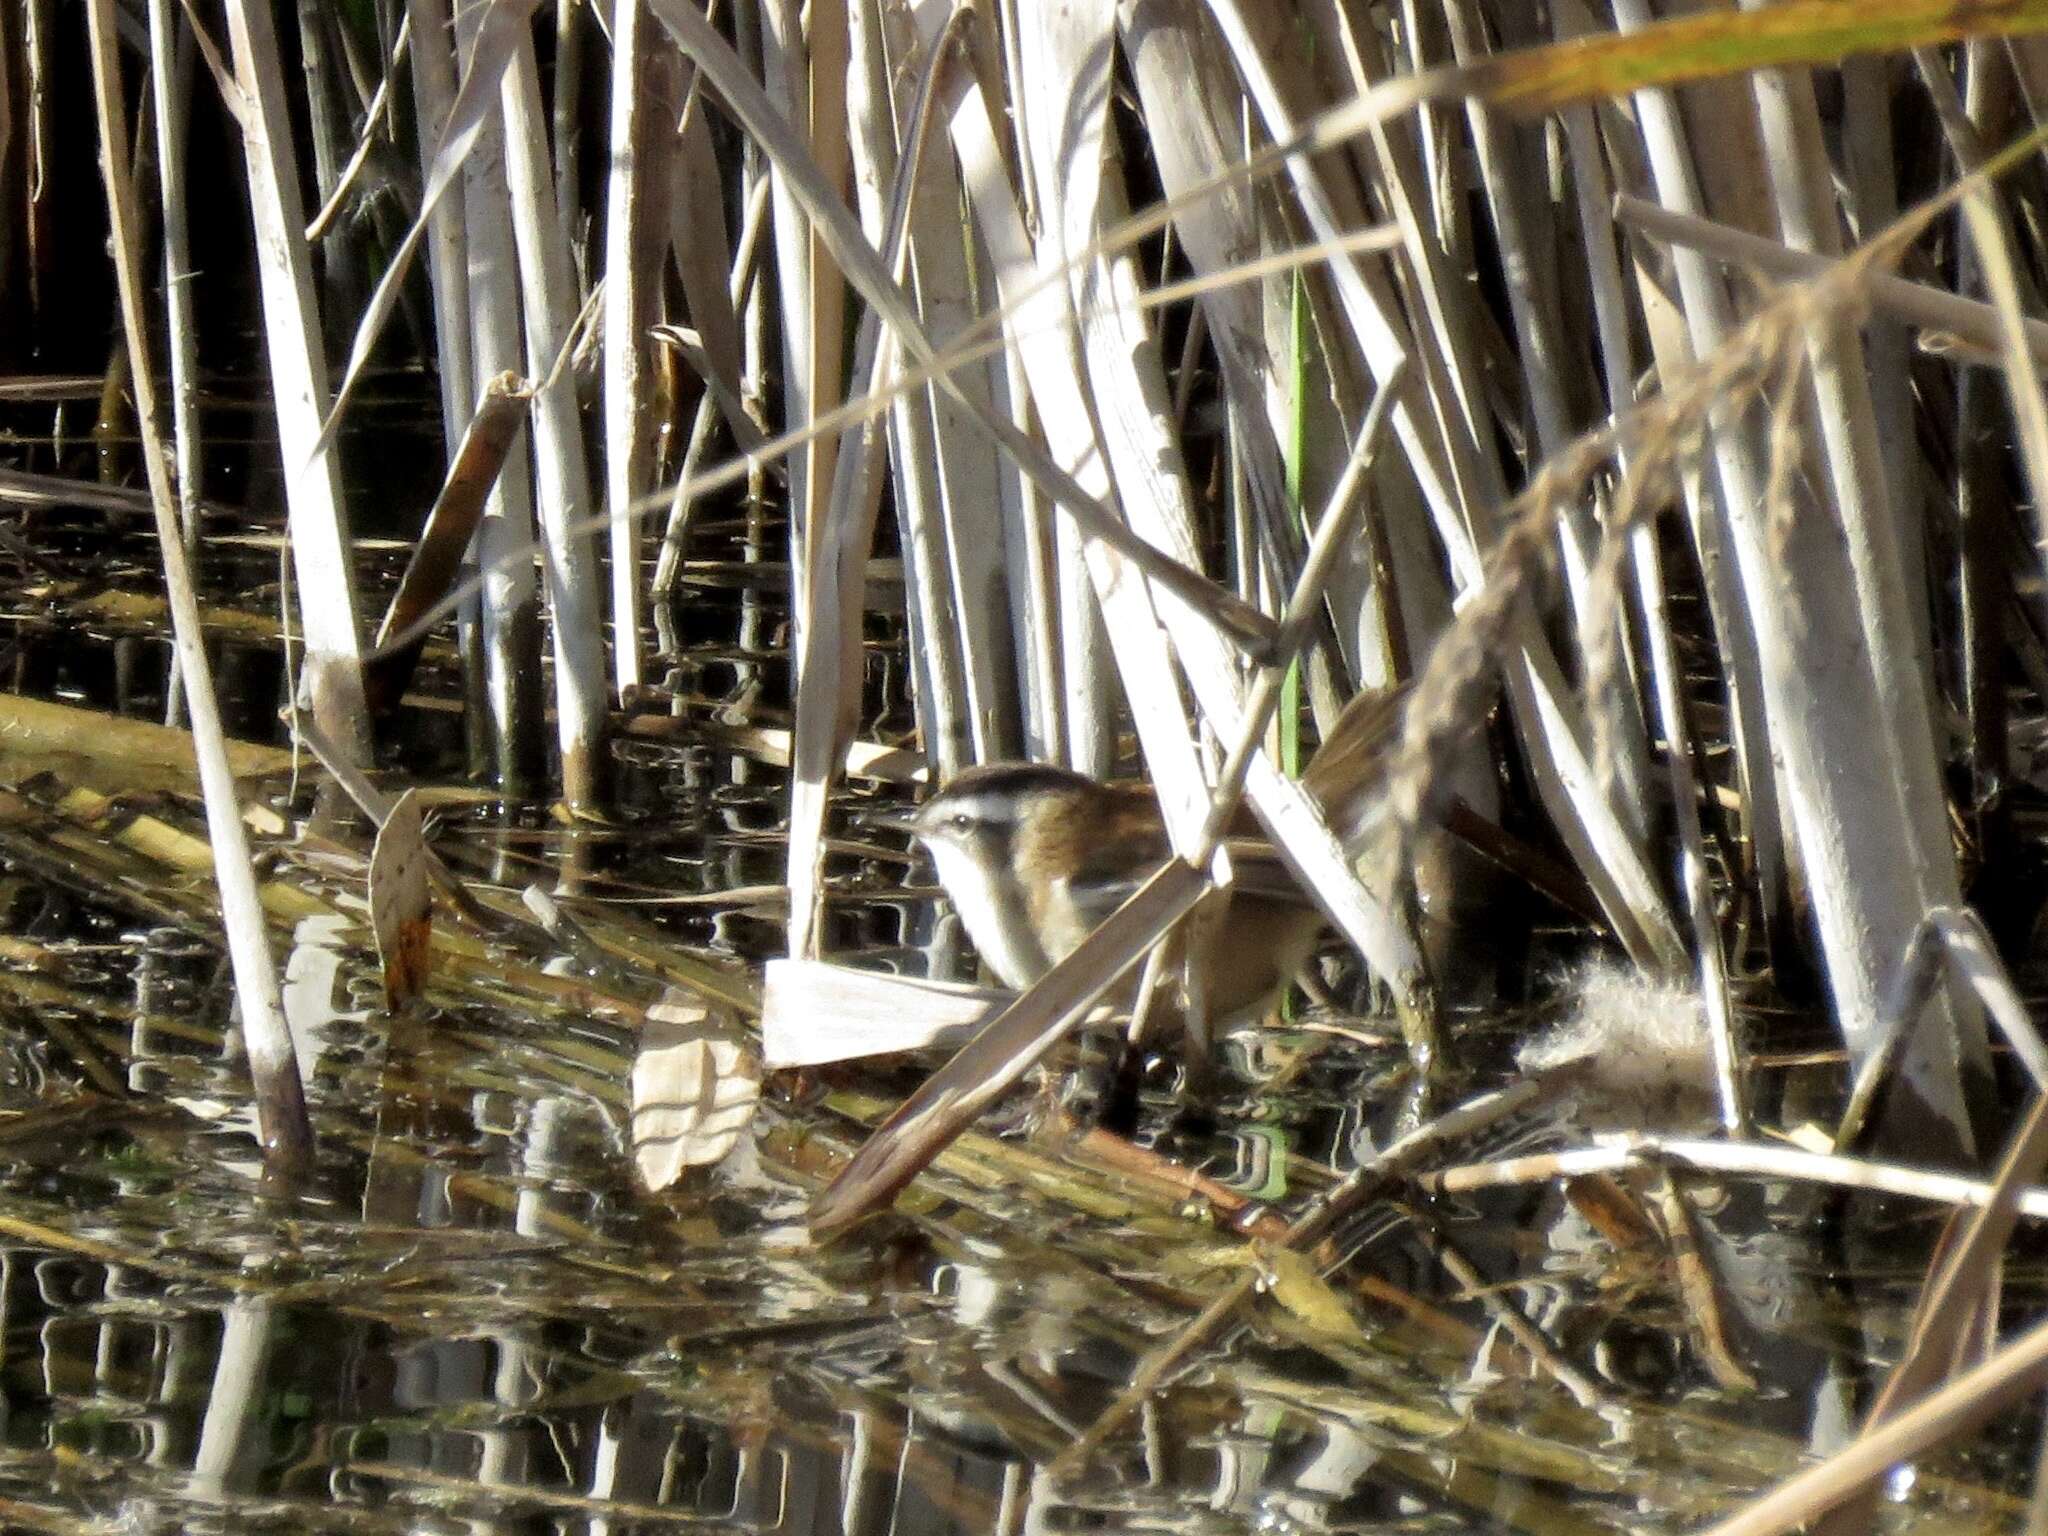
(960, 821)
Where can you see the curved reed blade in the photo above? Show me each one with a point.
(1013, 1042)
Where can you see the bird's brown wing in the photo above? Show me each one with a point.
(1115, 866)
(1122, 855)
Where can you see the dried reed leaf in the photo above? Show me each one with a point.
(451, 525)
(1005, 1049)
(401, 902)
(694, 1091)
(813, 1012)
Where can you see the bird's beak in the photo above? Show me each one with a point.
(890, 819)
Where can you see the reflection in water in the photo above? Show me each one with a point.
(472, 1321)
(174, 1413)
(477, 1327)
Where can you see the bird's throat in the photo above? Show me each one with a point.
(998, 915)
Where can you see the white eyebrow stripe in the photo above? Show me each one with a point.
(989, 806)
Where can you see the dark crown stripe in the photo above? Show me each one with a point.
(1001, 781)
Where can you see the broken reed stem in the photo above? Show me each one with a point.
(1746, 1158)
(1505, 1314)
(1363, 1184)
(1963, 1405)
(282, 1126)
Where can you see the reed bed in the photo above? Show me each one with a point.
(1652, 402)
